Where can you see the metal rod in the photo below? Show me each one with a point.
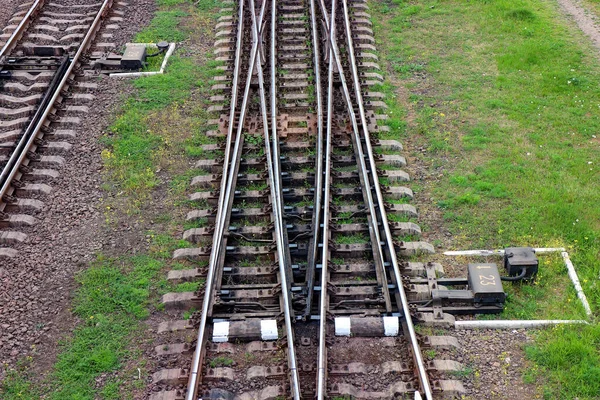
(364, 174)
(272, 163)
(322, 355)
(225, 199)
(313, 249)
(27, 141)
(389, 241)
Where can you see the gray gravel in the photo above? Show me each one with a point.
(7, 9)
(38, 284)
(495, 362)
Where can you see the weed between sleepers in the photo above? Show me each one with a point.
(116, 294)
(503, 98)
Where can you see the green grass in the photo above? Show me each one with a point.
(551, 296)
(465, 372)
(155, 122)
(593, 6)
(112, 300)
(164, 26)
(115, 294)
(504, 97)
(221, 362)
(567, 359)
(352, 238)
(16, 385)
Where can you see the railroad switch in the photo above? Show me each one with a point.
(481, 291)
(485, 284)
(134, 57)
(520, 263)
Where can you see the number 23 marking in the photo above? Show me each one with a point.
(487, 280)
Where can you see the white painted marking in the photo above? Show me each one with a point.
(221, 332)
(391, 326)
(342, 326)
(268, 329)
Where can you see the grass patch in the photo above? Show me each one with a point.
(352, 238)
(567, 358)
(550, 296)
(221, 362)
(116, 294)
(164, 26)
(504, 97)
(159, 120)
(112, 300)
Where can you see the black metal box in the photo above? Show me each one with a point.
(517, 258)
(484, 282)
(134, 57)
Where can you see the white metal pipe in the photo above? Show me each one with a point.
(499, 252)
(576, 284)
(538, 250)
(513, 324)
(147, 73)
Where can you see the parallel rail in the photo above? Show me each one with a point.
(230, 172)
(52, 98)
(377, 218)
(22, 27)
(302, 298)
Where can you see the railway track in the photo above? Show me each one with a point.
(301, 225)
(43, 96)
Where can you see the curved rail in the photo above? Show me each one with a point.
(322, 354)
(416, 350)
(318, 204)
(225, 197)
(273, 163)
(228, 183)
(376, 210)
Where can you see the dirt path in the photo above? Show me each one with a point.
(587, 22)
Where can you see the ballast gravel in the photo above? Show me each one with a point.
(7, 9)
(37, 285)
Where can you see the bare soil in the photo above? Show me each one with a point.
(586, 21)
(495, 363)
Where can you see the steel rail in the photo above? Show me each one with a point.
(322, 355)
(275, 147)
(363, 171)
(273, 161)
(234, 91)
(389, 240)
(225, 200)
(232, 110)
(16, 35)
(12, 161)
(26, 142)
(318, 204)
